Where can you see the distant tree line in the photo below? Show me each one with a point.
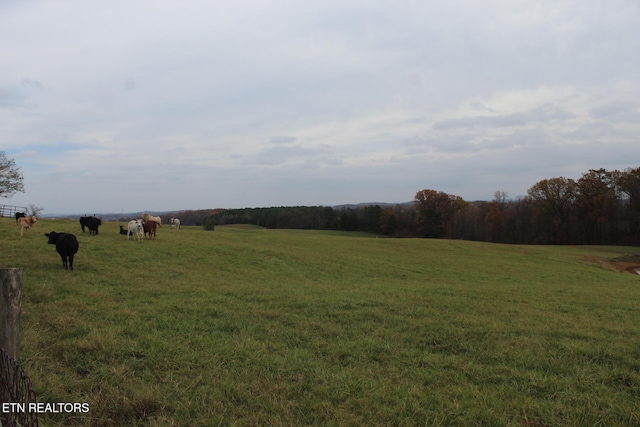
(372, 219)
(602, 207)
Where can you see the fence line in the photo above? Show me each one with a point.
(10, 211)
(16, 389)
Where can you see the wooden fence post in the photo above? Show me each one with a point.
(10, 309)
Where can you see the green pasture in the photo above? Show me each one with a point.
(252, 327)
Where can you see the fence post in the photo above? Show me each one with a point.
(10, 309)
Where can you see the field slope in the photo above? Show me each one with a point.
(278, 327)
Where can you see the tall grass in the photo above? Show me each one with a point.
(277, 327)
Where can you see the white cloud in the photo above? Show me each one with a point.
(243, 103)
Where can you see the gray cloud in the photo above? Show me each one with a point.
(282, 139)
(618, 110)
(18, 94)
(545, 113)
(281, 155)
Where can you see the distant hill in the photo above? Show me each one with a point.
(361, 205)
(108, 216)
(130, 215)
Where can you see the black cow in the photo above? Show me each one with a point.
(92, 223)
(20, 215)
(67, 246)
(123, 231)
(84, 222)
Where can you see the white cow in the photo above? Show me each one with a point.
(176, 223)
(135, 229)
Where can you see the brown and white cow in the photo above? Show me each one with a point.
(26, 222)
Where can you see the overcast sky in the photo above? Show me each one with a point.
(123, 106)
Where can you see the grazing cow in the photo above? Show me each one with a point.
(150, 227)
(123, 231)
(20, 215)
(176, 223)
(26, 222)
(147, 217)
(67, 246)
(136, 230)
(84, 222)
(92, 223)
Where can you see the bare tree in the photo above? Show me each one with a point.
(35, 210)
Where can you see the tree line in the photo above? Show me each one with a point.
(601, 207)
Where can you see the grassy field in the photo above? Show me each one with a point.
(243, 326)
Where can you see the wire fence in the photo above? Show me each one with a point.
(16, 394)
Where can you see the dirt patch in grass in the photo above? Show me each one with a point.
(626, 264)
(634, 269)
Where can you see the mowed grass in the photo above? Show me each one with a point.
(279, 327)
